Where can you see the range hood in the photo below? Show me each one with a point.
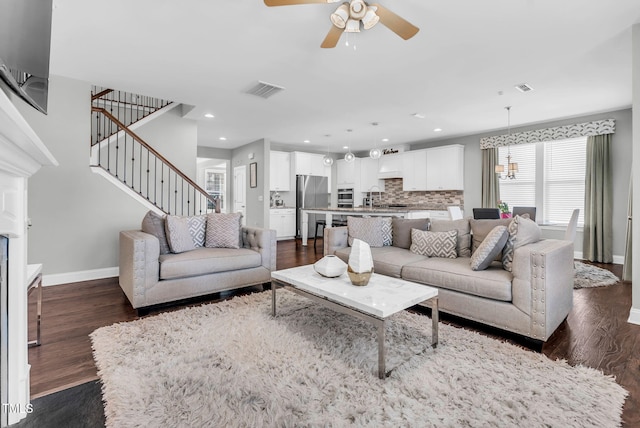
(390, 166)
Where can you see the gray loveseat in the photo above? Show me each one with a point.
(148, 277)
(531, 300)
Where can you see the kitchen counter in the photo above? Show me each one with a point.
(404, 212)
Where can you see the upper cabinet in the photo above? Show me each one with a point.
(414, 170)
(445, 168)
(348, 174)
(369, 174)
(309, 164)
(280, 171)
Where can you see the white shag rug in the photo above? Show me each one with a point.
(587, 276)
(231, 364)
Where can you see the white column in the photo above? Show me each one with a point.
(634, 315)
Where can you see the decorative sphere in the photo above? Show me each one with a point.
(327, 160)
(375, 153)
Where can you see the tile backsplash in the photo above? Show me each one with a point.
(393, 194)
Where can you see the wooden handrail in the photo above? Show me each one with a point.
(153, 151)
(101, 94)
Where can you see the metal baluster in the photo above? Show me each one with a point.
(148, 191)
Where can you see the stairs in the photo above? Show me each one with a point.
(133, 165)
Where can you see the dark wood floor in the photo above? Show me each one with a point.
(596, 333)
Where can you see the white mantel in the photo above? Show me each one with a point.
(22, 153)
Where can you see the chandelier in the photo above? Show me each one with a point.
(511, 167)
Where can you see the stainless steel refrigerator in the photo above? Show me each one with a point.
(311, 192)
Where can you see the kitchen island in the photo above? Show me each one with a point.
(366, 211)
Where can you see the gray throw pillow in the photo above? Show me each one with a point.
(402, 230)
(367, 229)
(489, 248)
(153, 224)
(178, 235)
(223, 230)
(434, 244)
(463, 246)
(197, 228)
(522, 231)
(387, 231)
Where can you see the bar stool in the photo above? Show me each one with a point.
(319, 223)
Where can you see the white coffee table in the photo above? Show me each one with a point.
(375, 302)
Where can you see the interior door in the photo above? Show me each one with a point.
(240, 191)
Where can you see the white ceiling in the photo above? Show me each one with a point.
(576, 54)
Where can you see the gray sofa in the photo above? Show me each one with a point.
(532, 300)
(149, 278)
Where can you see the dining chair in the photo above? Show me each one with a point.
(486, 213)
(455, 213)
(525, 210)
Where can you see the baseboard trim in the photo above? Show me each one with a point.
(84, 275)
(634, 316)
(618, 260)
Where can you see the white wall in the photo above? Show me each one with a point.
(77, 215)
(634, 316)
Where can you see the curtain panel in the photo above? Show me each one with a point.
(598, 225)
(490, 180)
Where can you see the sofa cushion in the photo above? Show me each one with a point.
(223, 230)
(489, 248)
(202, 261)
(153, 224)
(481, 228)
(387, 231)
(434, 244)
(522, 231)
(178, 235)
(456, 274)
(386, 260)
(463, 247)
(402, 230)
(367, 229)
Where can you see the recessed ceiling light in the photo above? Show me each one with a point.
(209, 116)
(345, 147)
(418, 115)
(437, 130)
(385, 139)
(223, 138)
(306, 141)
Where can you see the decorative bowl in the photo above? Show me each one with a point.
(359, 279)
(330, 266)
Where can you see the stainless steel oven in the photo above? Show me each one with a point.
(345, 198)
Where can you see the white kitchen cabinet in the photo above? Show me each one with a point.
(414, 170)
(309, 164)
(369, 175)
(283, 221)
(348, 173)
(280, 171)
(445, 168)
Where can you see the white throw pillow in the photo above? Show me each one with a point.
(178, 235)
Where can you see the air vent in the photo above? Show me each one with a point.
(264, 89)
(524, 87)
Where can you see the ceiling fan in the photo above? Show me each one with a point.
(350, 15)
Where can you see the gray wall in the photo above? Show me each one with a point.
(635, 308)
(258, 197)
(621, 156)
(76, 214)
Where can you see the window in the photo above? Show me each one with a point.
(215, 185)
(550, 177)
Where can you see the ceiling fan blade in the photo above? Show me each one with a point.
(291, 2)
(395, 23)
(332, 37)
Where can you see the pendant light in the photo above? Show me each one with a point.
(349, 157)
(327, 160)
(375, 153)
(512, 167)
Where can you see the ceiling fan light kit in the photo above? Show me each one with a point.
(349, 15)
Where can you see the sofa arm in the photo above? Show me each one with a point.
(543, 283)
(262, 241)
(139, 266)
(335, 238)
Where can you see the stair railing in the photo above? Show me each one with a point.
(140, 167)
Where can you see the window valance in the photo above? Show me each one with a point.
(586, 129)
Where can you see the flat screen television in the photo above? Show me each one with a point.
(25, 41)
